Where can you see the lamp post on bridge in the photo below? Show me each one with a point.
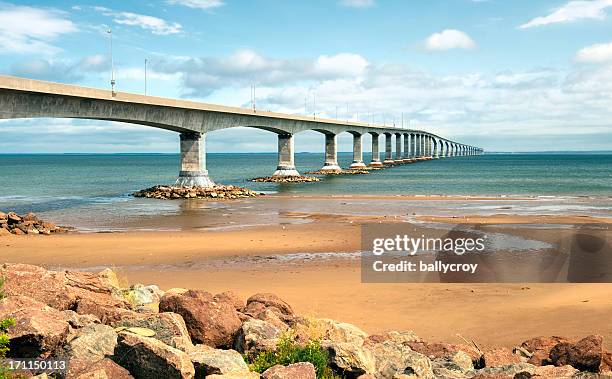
(112, 81)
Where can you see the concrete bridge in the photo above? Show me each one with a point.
(26, 98)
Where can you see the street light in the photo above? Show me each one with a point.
(146, 60)
(110, 33)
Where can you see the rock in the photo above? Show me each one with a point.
(540, 348)
(217, 191)
(393, 359)
(351, 359)
(250, 375)
(141, 295)
(61, 290)
(554, 372)
(584, 355)
(230, 298)
(169, 328)
(255, 336)
(107, 312)
(499, 357)
(460, 361)
(78, 321)
(336, 332)
(39, 330)
(444, 350)
(146, 357)
(209, 361)
(508, 371)
(100, 369)
(208, 322)
(92, 342)
(287, 179)
(302, 370)
(269, 301)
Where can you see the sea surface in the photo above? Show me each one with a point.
(68, 187)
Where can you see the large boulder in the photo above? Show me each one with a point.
(250, 375)
(540, 347)
(588, 354)
(209, 322)
(139, 294)
(351, 359)
(231, 298)
(92, 343)
(341, 332)
(259, 303)
(39, 330)
(169, 328)
(508, 371)
(302, 370)
(107, 312)
(444, 350)
(558, 372)
(393, 359)
(62, 290)
(210, 361)
(499, 357)
(146, 357)
(100, 369)
(460, 362)
(255, 336)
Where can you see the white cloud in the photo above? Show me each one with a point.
(572, 11)
(154, 24)
(202, 76)
(601, 52)
(26, 29)
(358, 3)
(449, 39)
(198, 4)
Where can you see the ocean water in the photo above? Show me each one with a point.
(48, 183)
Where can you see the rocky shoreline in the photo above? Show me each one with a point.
(109, 329)
(340, 172)
(287, 179)
(216, 192)
(12, 223)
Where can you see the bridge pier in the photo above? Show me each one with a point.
(435, 148)
(398, 148)
(331, 153)
(357, 153)
(412, 146)
(406, 155)
(286, 162)
(375, 152)
(193, 161)
(388, 149)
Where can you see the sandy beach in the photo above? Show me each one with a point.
(282, 259)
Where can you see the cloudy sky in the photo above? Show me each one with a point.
(505, 75)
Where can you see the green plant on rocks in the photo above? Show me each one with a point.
(289, 352)
(4, 337)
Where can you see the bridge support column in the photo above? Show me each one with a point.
(398, 148)
(435, 148)
(412, 146)
(406, 155)
(375, 152)
(357, 153)
(388, 149)
(286, 162)
(193, 161)
(331, 153)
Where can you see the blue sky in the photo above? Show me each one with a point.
(504, 75)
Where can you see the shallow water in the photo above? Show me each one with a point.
(93, 191)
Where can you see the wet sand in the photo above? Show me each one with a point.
(246, 260)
